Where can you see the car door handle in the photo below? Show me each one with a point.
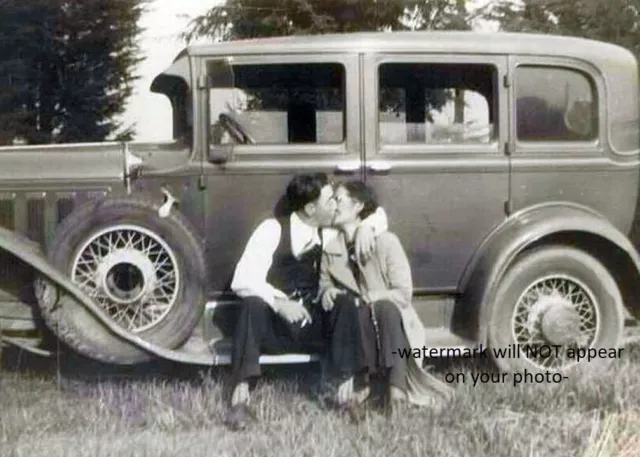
(379, 167)
(348, 167)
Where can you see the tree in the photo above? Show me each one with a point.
(237, 19)
(67, 67)
(615, 21)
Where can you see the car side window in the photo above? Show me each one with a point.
(555, 104)
(436, 103)
(281, 104)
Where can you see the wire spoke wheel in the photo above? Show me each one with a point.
(552, 303)
(553, 314)
(131, 273)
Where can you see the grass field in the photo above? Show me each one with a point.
(176, 411)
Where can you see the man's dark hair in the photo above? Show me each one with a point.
(364, 194)
(303, 189)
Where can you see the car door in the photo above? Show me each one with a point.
(435, 134)
(561, 150)
(300, 114)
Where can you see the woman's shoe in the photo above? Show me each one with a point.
(362, 395)
(238, 417)
(396, 401)
(356, 412)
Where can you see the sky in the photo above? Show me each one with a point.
(163, 22)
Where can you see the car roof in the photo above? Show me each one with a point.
(469, 42)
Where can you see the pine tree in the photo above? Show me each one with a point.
(66, 68)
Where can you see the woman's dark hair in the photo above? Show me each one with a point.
(303, 189)
(362, 193)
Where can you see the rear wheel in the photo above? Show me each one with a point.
(144, 271)
(557, 300)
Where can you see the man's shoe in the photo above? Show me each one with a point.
(239, 416)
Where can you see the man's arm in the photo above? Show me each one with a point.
(372, 226)
(250, 277)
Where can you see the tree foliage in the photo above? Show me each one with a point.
(66, 68)
(615, 21)
(237, 19)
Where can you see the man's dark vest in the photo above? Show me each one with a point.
(295, 277)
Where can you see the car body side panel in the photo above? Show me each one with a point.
(69, 163)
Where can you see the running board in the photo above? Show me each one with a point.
(221, 352)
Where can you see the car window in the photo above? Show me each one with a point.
(428, 103)
(555, 104)
(282, 104)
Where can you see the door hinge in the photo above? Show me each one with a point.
(506, 81)
(507, 149)
(507, 207)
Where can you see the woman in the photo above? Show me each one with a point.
(381, 291)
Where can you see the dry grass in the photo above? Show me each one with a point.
(619, 437)
(594, 414)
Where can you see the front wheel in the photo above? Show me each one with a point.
(551, 303)
(144, 269)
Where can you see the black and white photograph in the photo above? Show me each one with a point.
(319, 228)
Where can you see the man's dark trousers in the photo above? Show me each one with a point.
(260, 330)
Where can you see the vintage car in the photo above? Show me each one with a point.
(507, 165)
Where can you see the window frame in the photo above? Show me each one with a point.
(577, 147)
(374, 61)
(350, 141)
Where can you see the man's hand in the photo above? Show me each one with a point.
(292, 311)
(365, 242)
(329, 298)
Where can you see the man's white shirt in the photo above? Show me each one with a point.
(250, 277)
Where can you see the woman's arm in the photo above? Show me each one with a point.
(396, 271)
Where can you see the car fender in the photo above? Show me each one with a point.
(522, 230)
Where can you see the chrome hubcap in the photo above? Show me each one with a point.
(557, 310)
(131, 273)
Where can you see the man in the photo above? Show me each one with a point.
(277, 277)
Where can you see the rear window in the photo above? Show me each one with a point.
(555, 104)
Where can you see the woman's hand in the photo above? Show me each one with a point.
(329, 297)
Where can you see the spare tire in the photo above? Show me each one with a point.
(146, 272)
